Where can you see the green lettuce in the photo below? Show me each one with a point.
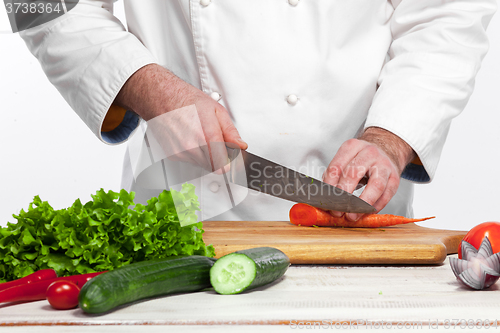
(108, 232)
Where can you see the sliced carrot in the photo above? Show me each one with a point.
(308, 216)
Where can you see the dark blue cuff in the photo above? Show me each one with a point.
(123, 131)
(416, 173)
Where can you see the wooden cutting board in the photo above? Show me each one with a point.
(402, 244)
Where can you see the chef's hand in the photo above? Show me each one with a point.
(377, 154)
(152, 91)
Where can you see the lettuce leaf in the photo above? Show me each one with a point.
(103, 234)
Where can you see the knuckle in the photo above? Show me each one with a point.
(332, 171)
(381, 170)
(212, 134)
(349, 144)
(228, 128)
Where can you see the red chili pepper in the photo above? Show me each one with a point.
(37, 290)
(40, 275)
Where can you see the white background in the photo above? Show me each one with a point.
(47, 150)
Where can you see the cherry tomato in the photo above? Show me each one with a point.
(475, 236)
(63, 295)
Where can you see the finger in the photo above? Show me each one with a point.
(390, 191)
(340, 161)
(205, 152)
(349, 184)
(336, 213)
(366, 162)
(381, 187)
(344, 155)
(214, 138)
(194, 157)
(358, 167)
(229, 131)
(375, 189)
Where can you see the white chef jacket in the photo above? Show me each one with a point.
(298, 78)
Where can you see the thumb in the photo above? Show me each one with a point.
(229, 131)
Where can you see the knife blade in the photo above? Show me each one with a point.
(279, 181)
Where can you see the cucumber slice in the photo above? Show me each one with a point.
(248, 269)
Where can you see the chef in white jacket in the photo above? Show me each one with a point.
(335, 89)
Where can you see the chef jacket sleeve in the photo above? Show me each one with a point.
(436, 52)
(88, 56)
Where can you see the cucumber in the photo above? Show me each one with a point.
(145, 279)
(247, 269)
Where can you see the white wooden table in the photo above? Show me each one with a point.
(319, 297)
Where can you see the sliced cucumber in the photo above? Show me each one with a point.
(248, 269)
(143, 280)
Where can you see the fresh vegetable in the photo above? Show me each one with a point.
(308, 216)
(38, 290)
(247, 269)
(63, 295)
(145, 279)
(103, 234)
(476, 235)
(478, 269)
(43, 274)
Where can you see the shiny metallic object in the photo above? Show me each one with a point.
(265, 176)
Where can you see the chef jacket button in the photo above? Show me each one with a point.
(292, 99)
(215, 96)
(214, 187)
(205, 2)
(293, 2)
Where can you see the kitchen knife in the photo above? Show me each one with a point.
(277, 180)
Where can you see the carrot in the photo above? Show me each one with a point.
(308, 216)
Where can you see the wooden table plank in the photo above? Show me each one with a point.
(367, 295)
